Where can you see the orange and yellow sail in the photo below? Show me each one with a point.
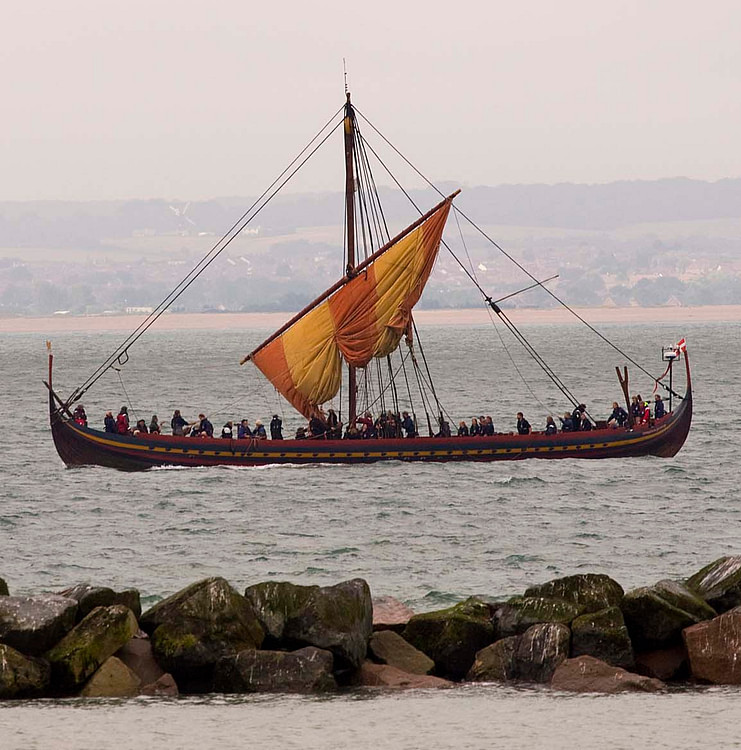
(365, 318)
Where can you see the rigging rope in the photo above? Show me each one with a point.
(212, 254)
(506, 254)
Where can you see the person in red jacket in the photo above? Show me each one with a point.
(122, 421)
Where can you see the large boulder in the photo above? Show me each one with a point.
(194, 628)
(388, 647)
(113, 679)
(390, 614)
(3, 588)
(164, 687)
(540, 650)
(714, 649)
(719, 583)
(585, 674)
(89, 597)
(386, 676)
(518, 614)
(603, 635)
(664, 663)
(137, 655)
(451, 637)
(84, 649)
(496, 662)
(656, 615)
(336, 618)
(308, 670)
(22, 676)
(530, 657)
(590, 592)
(33, 624)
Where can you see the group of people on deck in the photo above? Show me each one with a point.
(387, 425)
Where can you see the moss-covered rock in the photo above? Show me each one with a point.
(388, 647)
(518, 614)
(336, 618)
(33, 624)
(719, 583)
(603, 635)
(496, 662)
(84, 649)
(308, 670)
(451, 637)
(530, 657)
(113, 679)
(591, 592)
(3, 588)
(194, 628)
(88, 597)
(22, 676)
(656, 615)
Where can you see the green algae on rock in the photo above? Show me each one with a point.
(603, 635)
(337, 618)
(22, 676)
(589, 591)
(451, 637)
(84, 649)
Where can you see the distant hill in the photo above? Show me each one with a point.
(59, 224)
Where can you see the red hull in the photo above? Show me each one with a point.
(80, 446)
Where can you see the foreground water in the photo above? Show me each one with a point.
(428, 534)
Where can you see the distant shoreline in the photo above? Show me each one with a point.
(468, 317)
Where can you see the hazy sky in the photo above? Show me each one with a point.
(191, 100)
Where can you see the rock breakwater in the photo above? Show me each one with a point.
(580, 633)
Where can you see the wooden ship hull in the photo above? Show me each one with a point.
(82, 446)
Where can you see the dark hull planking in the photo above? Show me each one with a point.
(80, 446)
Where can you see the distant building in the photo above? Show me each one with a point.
(139, 310)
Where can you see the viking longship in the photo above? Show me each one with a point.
(358, 339)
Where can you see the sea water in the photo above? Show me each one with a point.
(429, 534)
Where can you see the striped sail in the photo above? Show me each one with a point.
(365, 318)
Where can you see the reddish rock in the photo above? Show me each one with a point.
(384, 675)
(585, 674)
(165, 686)
(387, 647)
(714, 649)
(390, 614)
(663, 664)
(138, 657)
(112, 680)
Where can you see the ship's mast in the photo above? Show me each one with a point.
(350, 219)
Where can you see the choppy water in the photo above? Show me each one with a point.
(428, 534)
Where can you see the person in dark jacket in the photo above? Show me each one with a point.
(577, 415)
(487, 428)
(475, 429)
(550, 426)
(659, 410)
(408, 424)
(243, 430)
(317, 427)
(110, 422)
(227, 431)
(636, 409)
(567, 423)
(259, 431)
(585, 425)
(204, 428)
(523, 426)
(444, 430)
(178, 423)
(619, 416)
(154, 425)
(462, 429)
(334, 430)
(276, 428)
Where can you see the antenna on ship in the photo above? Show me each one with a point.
(344, 70)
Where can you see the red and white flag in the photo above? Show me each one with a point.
(682, 346)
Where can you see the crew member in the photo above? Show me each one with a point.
(523, 426)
